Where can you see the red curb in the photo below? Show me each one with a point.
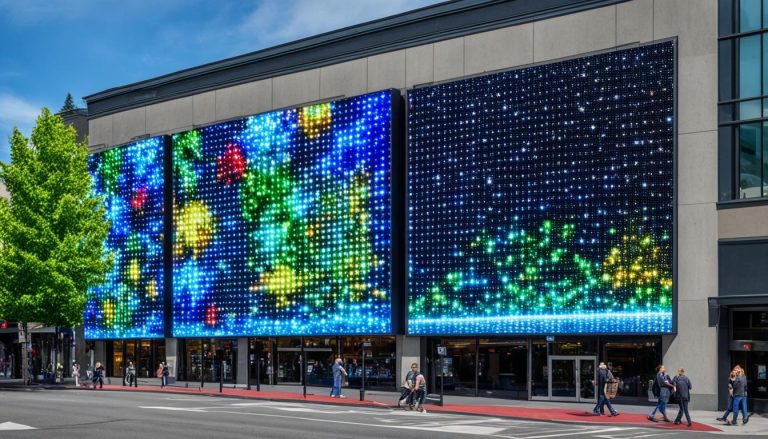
(528, 413)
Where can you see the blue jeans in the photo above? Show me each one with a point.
(728, 408)
(336, 389)
(602, 401)
(739, 401)
(661, 407)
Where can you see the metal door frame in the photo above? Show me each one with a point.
(577, 374)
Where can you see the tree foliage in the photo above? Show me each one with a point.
(52, 229)
(69, 104)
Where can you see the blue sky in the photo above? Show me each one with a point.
(49, 48)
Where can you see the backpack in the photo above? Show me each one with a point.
(656, 389)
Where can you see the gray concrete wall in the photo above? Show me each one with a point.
(243, 351)
(692, 22)
(743, 222)
(408, 352)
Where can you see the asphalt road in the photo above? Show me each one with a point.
(105, 414)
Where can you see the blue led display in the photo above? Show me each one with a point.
(541, 199)
(282, 223)
(129, 304)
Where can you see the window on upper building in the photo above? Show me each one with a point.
(743, 99)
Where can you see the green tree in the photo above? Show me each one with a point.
(51, 230)
(69, 104)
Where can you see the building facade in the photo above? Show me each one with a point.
(431, 58)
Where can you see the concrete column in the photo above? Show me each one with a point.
(100, 352)
(243, 350)
(408, 351)
(171, 357)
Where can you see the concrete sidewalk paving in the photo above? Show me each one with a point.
(522, 409)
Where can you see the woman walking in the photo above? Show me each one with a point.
(76, 373)
(338, 376)
(729, 406)
(739, 392)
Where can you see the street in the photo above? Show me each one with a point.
(102, 414)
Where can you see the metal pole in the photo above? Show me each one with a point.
(362, 375)
(248, 367)
(202, 364)
(258, 368)
(303, 365)
(221, 374)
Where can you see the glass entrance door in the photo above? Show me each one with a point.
(570, 378)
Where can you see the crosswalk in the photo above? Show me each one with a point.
(409, 421)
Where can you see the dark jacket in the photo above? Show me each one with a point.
(603, 375)
(740, 386)
(684, 387)
(166, 372)
(664, 382)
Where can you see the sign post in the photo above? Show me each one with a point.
(442, 352)
(366, 344)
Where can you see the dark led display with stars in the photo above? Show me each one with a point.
(541, 199)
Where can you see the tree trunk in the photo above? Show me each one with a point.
(24, 340)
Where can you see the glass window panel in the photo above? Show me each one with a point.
(749, 161)
(727, 65)
(765, 159)
(765, 61)
(765, 13)
(725, 112)
(749, 15)
(749, 66)
(749, 109)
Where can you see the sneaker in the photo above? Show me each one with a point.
(652, 419)
(720, 419)
(615, 414)
(334, 396)
(342, 396)
(666, 419)
(677, 422)
(690, 425)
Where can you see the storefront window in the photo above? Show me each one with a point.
(503, 368)
(539, 369)
(289, 360)
(261, 361)
(380, 370)
(633, 363)
(117, 358)
(320, 352)
(751, 325)
(459, 368)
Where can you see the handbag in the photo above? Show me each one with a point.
(611, 388)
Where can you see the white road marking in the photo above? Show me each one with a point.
(585, 431)
(177, 409)
(8, 426)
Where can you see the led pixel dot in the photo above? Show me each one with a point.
(282, 223)
(541, 199)
(129, 304)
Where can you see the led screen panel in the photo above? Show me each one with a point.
(129, 304)
(282, 222)
(541, 199)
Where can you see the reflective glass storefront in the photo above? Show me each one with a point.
(145, 354)
(206, 360)
(560, 369)
(279, 360)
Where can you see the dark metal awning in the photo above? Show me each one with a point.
(715, 303)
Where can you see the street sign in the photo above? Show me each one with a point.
(442, 351)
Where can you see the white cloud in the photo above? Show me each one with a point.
(281, 22)
(17, 112)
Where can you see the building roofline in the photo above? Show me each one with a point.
(425, 25)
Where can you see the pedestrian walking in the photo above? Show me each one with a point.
(163, 373)
(729, 406)
(338, 376)
(76, 373)
(421, 392)
(159, 374)
(604, 376)
(98, 375)
(408, 387)
(662, 387)
(739, 392)
(130, 375)
(683, 385)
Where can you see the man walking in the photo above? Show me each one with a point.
(665, 387)
(603, 376)
(683, 385)
(130, 375)
(76, 373)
